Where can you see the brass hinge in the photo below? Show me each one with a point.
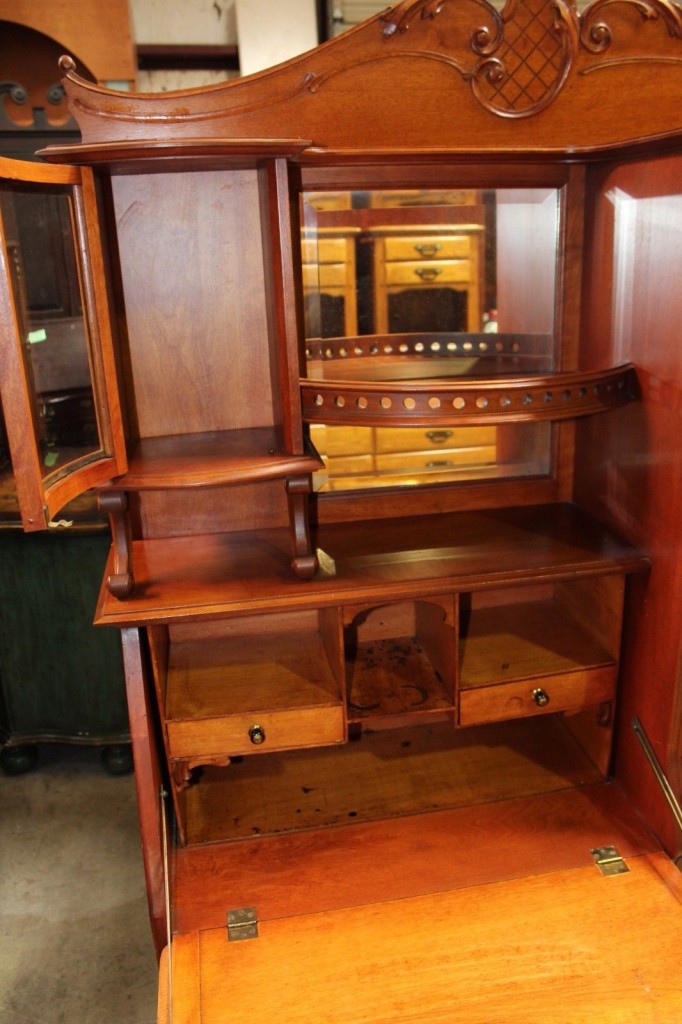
(609, 861)
(242, 923)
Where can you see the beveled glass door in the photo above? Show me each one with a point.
(57, 371)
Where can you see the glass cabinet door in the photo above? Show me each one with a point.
(57, 372)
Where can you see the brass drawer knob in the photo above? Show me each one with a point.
(428, 273)
(257, 734)
(540, 697)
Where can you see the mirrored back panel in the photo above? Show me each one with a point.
(418, 285)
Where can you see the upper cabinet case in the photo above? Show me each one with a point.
(424, 728)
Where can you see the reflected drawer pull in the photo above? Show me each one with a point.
(440, 464)
(428, 273)
(438, 436)
(428, 248)
(257, 734)
(540, 697)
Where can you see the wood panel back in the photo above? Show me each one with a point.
(192, 267)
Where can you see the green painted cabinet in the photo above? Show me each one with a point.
(61, 679)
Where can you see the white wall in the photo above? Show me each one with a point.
(267, 32)
(271, 31)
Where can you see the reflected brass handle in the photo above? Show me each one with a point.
(438, 436)
(440, 464)
(540, 697)
(428, 273)
(427, 248)
(257, 734)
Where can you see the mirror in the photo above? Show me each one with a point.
(422, 285)
(39, 232)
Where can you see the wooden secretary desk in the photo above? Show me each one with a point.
(407, 748)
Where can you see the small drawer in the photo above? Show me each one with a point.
(423, 197)
(253, 683)
(325, 275)
(423, 272)
(543, 695)
(256, 732)
(342, 464)
(428, 247)
(409, 439)
(348, 440)
(328, 200)
(325, 250)
(396, 462)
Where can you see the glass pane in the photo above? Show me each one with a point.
(431, 284)
(38, 225)
(449, 266)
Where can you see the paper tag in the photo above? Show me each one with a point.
(36, 336)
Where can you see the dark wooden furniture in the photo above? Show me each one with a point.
(393, 695)
(68, 688)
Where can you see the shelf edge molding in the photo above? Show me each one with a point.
(558, 396)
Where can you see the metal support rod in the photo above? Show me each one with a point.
(166, 885)
(667, 789)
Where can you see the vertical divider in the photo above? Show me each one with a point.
(331, 630)
(281, 254)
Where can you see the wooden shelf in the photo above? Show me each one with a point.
(249, 685)
(233, 574)
(211, 459)
(459, 350)
(525, 641)
(386, 774)
(395, 678)
(160, 155)
(466, 401)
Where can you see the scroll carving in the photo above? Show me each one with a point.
(515, 62)
(525, 54)
(596, 35)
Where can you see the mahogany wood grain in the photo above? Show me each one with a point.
(628, 471)
(281, 248)
(385, 774)
(563, 691)
(197, 354)
(524, 641)
(252, 506)
(389, 560)
(211, 459)
(330, 869)
(487, 953)
(344, 97)
(147, 761)
(217, 690)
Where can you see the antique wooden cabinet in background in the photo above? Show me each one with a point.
(395, 722)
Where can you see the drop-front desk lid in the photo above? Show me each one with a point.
(560, 907)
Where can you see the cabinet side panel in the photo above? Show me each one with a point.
(192, 269)
(628, 464)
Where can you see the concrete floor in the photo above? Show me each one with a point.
(75, 943)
